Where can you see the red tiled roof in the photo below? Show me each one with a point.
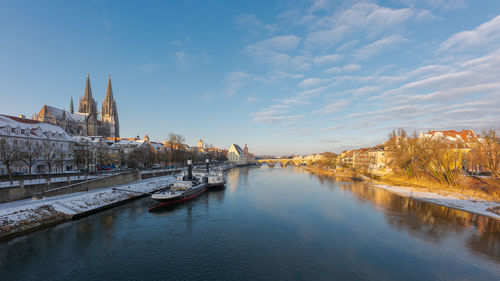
(465, 135)
(22, 120)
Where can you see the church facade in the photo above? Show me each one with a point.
(87, 121)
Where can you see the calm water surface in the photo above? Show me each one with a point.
(268, 224)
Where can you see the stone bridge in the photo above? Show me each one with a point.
(283, 162)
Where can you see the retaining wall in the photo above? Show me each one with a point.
(8, 194)
(156, 174)
(92, 184)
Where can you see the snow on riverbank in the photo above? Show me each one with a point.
(42, 181)
(23, 212)
(470, 205)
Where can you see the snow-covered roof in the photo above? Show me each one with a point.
(91, 139)
(19, 127)
(236, 149)
(452, 135)
(157, 145)
(58, 113)
(122, 143)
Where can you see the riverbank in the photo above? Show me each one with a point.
(20, 217)
(448, 198)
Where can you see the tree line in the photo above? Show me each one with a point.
(28, 151)
(440, 159)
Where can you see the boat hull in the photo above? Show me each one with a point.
(183, 198)
(216, 185)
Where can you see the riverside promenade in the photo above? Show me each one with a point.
(24, 216)
(28, 215)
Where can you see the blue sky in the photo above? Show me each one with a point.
(285, 77)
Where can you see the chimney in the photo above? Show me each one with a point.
(190, 168)
(207, 161)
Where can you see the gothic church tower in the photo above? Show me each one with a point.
(87, 106)
(109, 113)
(87, 103)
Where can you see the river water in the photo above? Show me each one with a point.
(268, 224)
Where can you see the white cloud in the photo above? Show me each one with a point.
(275, 51)
(234, 81)
(347, 45)
(333, 107)
(107, 24)
(149, 67)
(280, 75)
(333, 70)
(320, 5)
(176, 43)
(275, 114)
(424, 15)
(311, 92)
(357, 91)
(360, 17)
(446, 5)
(183, 61)
(326, 59)
(485, 35)
(352, 67)
(249, 21)
(309, 83)
(455, 93)
(252, 99)
(378, 46)
(237, 75)
(283, 43)
(295, 101)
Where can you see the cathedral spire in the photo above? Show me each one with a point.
(109, 113)
(88, 90)
(71, 106)
(109, 92)
(87, 103)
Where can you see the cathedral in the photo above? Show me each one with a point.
(87, 121)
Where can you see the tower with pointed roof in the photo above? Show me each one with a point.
(88, 107)
(86, 120)
(87, 103)
(71, 106)
(109, 113)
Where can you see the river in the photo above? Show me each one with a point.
(268, 224)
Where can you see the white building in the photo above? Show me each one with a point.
(25, 143)
(314, 157)
(236, 155)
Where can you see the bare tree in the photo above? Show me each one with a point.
(139, 157)
(329, 160)
(175, 142)
(9, 154)
(30, 153)
(163, 157)
(82, 155)
(487, 153)
(60, 159)
(50, 153)
(439, 158)
(402, 148)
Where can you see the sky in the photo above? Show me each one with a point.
(284, 77)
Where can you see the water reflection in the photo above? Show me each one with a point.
(428, 221)
(278, 224)
(232, 179)
(236, 177)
